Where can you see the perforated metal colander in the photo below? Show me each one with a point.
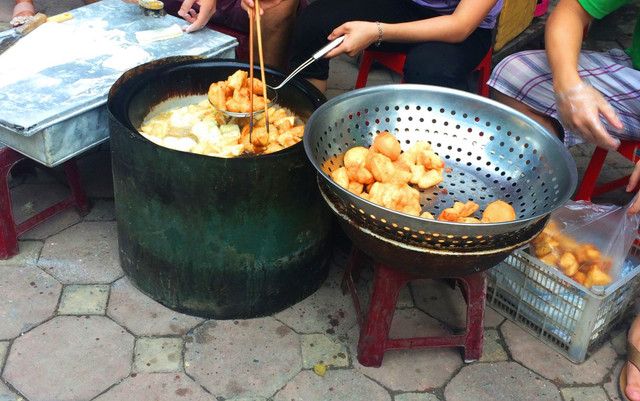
(491, 152)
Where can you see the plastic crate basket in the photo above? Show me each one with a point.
(557, 310)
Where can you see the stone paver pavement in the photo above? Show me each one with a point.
(73, 327)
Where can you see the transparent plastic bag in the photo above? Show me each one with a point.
(588, 242)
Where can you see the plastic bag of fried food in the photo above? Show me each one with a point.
(587, 242)
(384, 175)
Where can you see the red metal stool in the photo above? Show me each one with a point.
(9, 229)
(588, 188)
(395, 62)
(387, 283)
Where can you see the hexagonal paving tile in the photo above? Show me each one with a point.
(156, 387)
(242, 358)
(86, 253)
(411, 369)
(335, 385)
(499, 381)
(537, 356)
(29, 297)
(154, 355)
(326, 311)
(69, 358)
(320, 348)
(611, 382)
(144, 316)
(6, 394)
(29, 251)
(84, 300)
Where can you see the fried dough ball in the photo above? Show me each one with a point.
(355, 163)
(430, 160)
(498, 212)
(596, 277)
(380, 166)
(458, 211)
(425, 178)
(427, 215)
(341, 177)
(402, 198)
(569, 264)
(387, 144)
(411, 155)
(355, 188)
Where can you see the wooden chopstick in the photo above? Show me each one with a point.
(251, 18)
(261, 57)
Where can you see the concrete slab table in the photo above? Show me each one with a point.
(54, 85)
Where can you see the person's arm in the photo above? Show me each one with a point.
(579, 105)
(452, 28)
(197, 20)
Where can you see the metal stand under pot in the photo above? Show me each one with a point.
(490, 152)
(214, 237)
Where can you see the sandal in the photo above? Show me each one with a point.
(21, 8)
(633, 356)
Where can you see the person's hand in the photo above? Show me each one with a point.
(197, 20)
(264, 4)
(633, 184)
(131, 1)
(579, 110)
(358, 35)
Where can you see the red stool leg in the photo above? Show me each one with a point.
(484, 71)
(77, 192)
(363, 72)
(591, 174)
(387, 284)
(357, 262)
(474, 290)
(8, 233)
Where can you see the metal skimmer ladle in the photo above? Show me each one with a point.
(272, 93)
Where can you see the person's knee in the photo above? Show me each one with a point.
(434, 72)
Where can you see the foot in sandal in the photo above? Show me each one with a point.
(21, 12)
(630, 375)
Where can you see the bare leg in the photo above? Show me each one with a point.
(277, 29)
(548, 122)
(321, 84)
(633, 374)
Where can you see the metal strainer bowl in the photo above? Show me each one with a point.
(491, 152)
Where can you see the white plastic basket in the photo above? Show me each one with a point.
(562, 313)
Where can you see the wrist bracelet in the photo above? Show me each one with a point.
(379, 33)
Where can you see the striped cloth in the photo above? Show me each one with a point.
(526, 77)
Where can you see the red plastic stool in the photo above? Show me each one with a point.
(588, 188)
(9, 229)
(387, 283)
(541, 8)
(395, 62)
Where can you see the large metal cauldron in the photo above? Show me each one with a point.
(214, 237)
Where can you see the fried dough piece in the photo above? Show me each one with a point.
(355, 163)
(459, 211)
(498, 212)
(596, 277)
(341, 177)
(387, 144)
(568, 264)
(380, 166)
(217, 95)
